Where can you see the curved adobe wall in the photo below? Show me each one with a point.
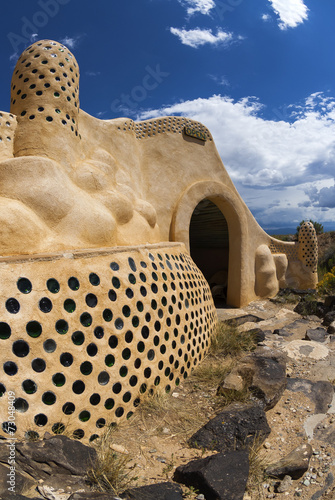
(83, 336)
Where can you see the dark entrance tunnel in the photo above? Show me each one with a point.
(209, 247)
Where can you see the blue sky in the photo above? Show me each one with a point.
(260, 74)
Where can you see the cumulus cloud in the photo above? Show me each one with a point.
(291, 13)
(197, 37)
(271, 159)
(201, 6)
(324, 197)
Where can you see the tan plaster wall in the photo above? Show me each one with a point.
(83, 336)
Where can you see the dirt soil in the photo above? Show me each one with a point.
(155, 438)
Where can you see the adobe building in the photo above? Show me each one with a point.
(115, 234)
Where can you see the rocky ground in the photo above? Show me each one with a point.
(155, 442)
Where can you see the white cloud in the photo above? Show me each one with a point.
(71, 41)
(198, 37)
(202, 6)
(272, 159)
(291, 12)
(266, 17)
(220, 80)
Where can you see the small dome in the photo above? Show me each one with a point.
(45, 86)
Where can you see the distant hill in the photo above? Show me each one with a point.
(328, 226)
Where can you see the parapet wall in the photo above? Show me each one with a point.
(83, 336)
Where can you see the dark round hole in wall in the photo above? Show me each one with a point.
(5, 331)
(73, 283)
(49, 398)
(78, 338)
(91, 300)
(94, 279)
(95, 399)
(109, 360)
(58, 428)
(114, 266)
(107, 315)
(112, 295)
(86, 319)
(123, 371)
(132, 264)
(66, 359)
(129, 337)
(41, 420)
(145, 332)
(109, 403)
(143, 291)
(78, 434)
(78, 387)
(58, 379)
(86, 368)
(9, 427)
(99, 332)
(69, 305)
(135, 321)
(100, 423)
(151, 355)
(2, 390)
(20, 348)
(140, 346)
(117, 388)
(53, 285)
(137, 363)
(113, 341)
(21, 405)
(118, 323)
(62, 326)
(34, 329)
(68, 408)
(29, 386)
(132, 279)
(147, 372)
(126, 353)
(119, 412)
(12, 305)
(116, 282)
(103, 378)
(38, 365)
(91, 349)
(45, 305)
(133, 380)
(24, 285)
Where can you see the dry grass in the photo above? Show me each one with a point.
(229, 341)
(111, 471)
(258, 462)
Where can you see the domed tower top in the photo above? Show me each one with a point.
(45, 99)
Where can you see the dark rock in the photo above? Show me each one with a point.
(309, 306)
(330, 302)
(243, 319)
(236, 427)
(221, 476)
(57, 455)
(23, 483)
(328, 483)
(326, 435)
(295, 464)
(264, 375)
(94, 495)
(159, 491)
(258, 334)
(329, 318)
(331, 329)
(317, 334)
(320, 393)
(18, 497)
(282, 332)
(64, 482)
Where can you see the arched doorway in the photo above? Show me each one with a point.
(209, 247)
